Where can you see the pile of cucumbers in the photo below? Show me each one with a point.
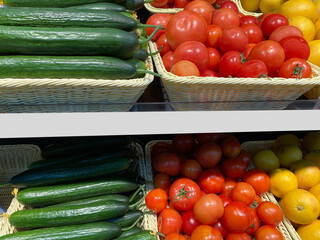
(81, 190)
(89, 39)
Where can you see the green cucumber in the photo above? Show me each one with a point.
(143, 235)
(128, 219)
(141, 55)
(140, 66)
(103, 6)
(134, 5)
(129, 232)
(68, 215)
(92, 231)
(53, 3)
(43, 196)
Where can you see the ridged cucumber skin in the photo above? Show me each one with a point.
(132, 231)
(53, 3)
(43, 196)
(69, 173)
(68, 41)
(59, 67)
(88, 231)
(65, 17)
(68, 215)
(103, 6)
(128, 219)
(143, 235)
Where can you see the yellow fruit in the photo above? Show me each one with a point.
(314, 157)
(315, 190)
(305, 25)
(286, 139)
(266, 160)
(269, 5)
(307, 173)
(311, 141)
(282, 181)
(317, 25)
(310, 231)
(317, 3)
(317, 36)
(300, 206)
(250, 6)
(305, 8)
(289, 154)
(314, 52)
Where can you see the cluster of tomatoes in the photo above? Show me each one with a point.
(203, 190)
(203, 41)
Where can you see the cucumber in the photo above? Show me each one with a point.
(42, 196)
(143, 235)
(128, 219)
(134, 5)
(129, 232)
(53, 3)
(69, 173)
(140, 66)
(68, 215)
(92, 231)
(68, 41)
(103, 6)
(141, 55)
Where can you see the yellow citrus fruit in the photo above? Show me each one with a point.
(286, 139)
(282, 181)
(314, 52)
(300, 206)
(305, 25)
(311, 141)
(288, 154)
(305, 8)
(266, 160)
(315, 190)
(250, 6)
(314, 157)
(317, 2)
(317, 25)
(269, 5)
(310, 231)
(307, 173)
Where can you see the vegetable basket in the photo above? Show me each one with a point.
(217, 93)
(282, 227)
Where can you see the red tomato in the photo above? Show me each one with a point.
(269, 213)
(267, 232)
(272, 22)
(181, 3)
(255, 224)
(162, 181)
(189, 222)
(218, 225)
(209, 73)
(234, 167)
(225, 18)
(175, 236)
(253, 69)
(245, 157)
(230, 147)
(257, 201)
(203, 8)
(205, 232)
(248, 50)
(168, 60)
(214, 58)
(167, 163)
(233, 39)
(253, 32)
(258, 179)
(295, 47)
(243, 192)
(184, 193)
(158, 19)
(209, 154)
(225, 199)
(262, 17)
(191, 169)
(159, 3)
(248, 20)
(203, 138)
(295, 68)
(230, 64)
(238, 236)
(211, 181)
(230, 5)
(156, 200)
(208, 209)
(285, 31)
(213, 34)
(183, 143)
(185, 26)
(185, 68)
(269, 52)
(162, 41)
(236, 217)
(194, 52)
(229, 185)
(169, 221)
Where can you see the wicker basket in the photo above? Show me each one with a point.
(313, 93)
(238, 2)
(208, 93)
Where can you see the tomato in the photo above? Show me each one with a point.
(269, 213)
(183, 143)
(168, 60)
(214, 58)
(272, 22)
(263, 16)
(181, 3)
(225, 18)
(189, 222)
(255, 222)
(267, 232)
(230, 5)
(169, 221)
(159, 3)
(284, 32)
(191, 169)
(156, 200)
(253, 32)
(163, 42)
(249, 20)
(208, 209)
(167, 163)
(161, 147)
(230, 64)
(162, 181)
(248, 50)
(185, 68)
(295, 47)
(230, 147)
(257, 200)
(209, 154)
(234, 167)
(270, 52)
(184, 193)
(213, 34)
(258, 179)
(253, 69)
(194, 52)
(225, 199)
(233, 39)
(185, 26)
(229, 185)
(205, 232)
(158, 19)
(175, 236)
(203, 138)
(218, 225)
(211, 181)
(238, 236)
(236, 217)
(203, 8)
(243, 192)
(209, 73)
(295, 68)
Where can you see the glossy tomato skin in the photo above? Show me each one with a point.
(253, 69)
(185, 68)
(229, 185)
(156, 200)
(159, 3)
(183, 143)
(253, 32)
(245, 157)
(230, 5)
(214, 58)
(203, 138)
(209, 154)
(169, 221)
(209, 73)
(267, 232)
(203, 8)
(168, 60)
(230, 147)
(205, 232)
(185, 26)
(272, 22)
(233, 39)
(243, 192)
(258, 179)
(295, 47)
(225, 199)
(225, 18)
(248, 50)
(255, 222)
(284, 32)
(238, 236)
(236, 217)
(218, 225)
(269, 213)
(158, 19)
(234, 167)
(161, 147)
(167, 163)
(191, 169)
(162, 181)
(249, 20)
(211, 181)
(175, 236)
(189, 222)
(213, 34)
(163, 42)
(289, 69)
(230, 64)
(181, 3)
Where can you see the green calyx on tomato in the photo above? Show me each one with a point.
(182, 193)
(298, 71)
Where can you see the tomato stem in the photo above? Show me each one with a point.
(243, 59)
(298, 71)
(182, 193)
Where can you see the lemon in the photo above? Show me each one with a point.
(317, 37)
(269, 5)
(314, 52)
(305, 25)
(250, 6)
(282, 181)
(317, 2)
(305, 8)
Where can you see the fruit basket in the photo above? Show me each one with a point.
(238, 2)
(153, 9)
(232, 93)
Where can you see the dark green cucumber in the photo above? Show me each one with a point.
(134, 5)
(42, 196)
(143, 235)
(129, 232)
(53, 3)
(68, 41)
(141, 55)
(65, 17)
(128, 219)
(92, 231)
(140, 66)
(68, 215)
(103, 6)
(69, 173)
